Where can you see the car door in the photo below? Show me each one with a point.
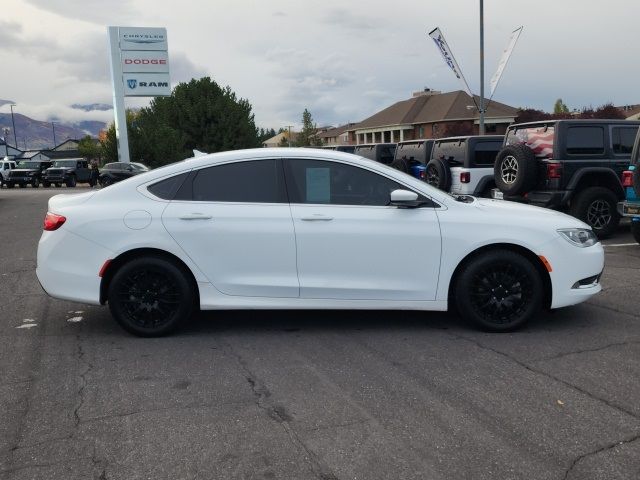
(233, 220)
(351, 244)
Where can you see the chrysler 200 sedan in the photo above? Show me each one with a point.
(308, 229)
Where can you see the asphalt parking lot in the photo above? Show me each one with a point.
(318, 395)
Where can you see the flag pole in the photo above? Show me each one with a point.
(481, 129)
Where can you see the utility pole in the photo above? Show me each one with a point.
(289, 127)
(15, 140)
(53, 127)
(481, 129)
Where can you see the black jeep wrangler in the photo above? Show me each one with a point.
(68, 171)
(572, 165)
(27, 172)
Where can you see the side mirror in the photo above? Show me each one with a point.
(404, 199)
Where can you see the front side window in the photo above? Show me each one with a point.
(585, 140)
(256, 181)
(623, 139)
(334, 183)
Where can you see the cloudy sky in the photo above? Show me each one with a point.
(344, 60)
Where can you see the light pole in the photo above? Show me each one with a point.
(15, 140)
(289, 126)
(481, 129)
(53, 127)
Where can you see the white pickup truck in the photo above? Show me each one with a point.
(6, 166)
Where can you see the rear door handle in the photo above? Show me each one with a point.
(196, 216)
(317, 218)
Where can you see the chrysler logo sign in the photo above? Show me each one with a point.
(142, 38)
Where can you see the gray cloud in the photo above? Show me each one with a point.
(182, 69)
(94, 11)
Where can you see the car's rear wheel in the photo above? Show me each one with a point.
(597, 207)
(150, 296)
(499, 291)
(401, 164)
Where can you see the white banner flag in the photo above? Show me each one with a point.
(505, 58)
(441, 43)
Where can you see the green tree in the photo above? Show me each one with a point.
(109, 148)
(89, 148)
(198, 115)
(307, 136)
(560, 107)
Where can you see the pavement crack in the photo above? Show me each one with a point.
(279, 414)
(83, 382)
(532, 369)
(587, 350)
(597, 451)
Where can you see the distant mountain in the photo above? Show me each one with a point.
(90, 107)
(35, 134)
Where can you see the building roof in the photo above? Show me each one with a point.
(275, 141)
(434, 108)
(334, 132)
(27, 154)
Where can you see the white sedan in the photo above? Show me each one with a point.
(308, 229)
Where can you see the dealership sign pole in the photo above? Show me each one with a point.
(139, 68)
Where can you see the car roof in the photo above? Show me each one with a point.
(606, 121)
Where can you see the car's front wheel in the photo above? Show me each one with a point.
(499, 290)
(150, 296)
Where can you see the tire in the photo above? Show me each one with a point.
(499, 291)
(635, 230)
(515, 171)
(46, 184)
(597, 207)
(401, 164)
(438, 174)
(135, 304)
(71, 182)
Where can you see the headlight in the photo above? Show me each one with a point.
(581, 237)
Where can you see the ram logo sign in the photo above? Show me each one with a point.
(146, 84)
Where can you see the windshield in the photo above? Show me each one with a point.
(30, 165)
(64, 163)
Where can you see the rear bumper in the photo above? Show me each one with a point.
(68, 266)
(552, 199)
(629, 209)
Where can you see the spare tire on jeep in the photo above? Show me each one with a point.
(515, 170)
(438, 174)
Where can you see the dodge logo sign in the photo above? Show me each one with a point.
(144, 61)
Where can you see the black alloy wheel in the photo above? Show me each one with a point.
(433, 177)
(597, 207)
(499, 291)
(150, 296)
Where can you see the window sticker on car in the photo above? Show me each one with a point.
(538, 139)
(318, 185)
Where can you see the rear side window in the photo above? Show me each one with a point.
(167, 188)
(486, 153)
(257, 181)
(585, 140)
(623, 139)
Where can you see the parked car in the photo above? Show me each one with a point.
(27, 172)
(341, 148)
(573, 165)
(68, 171)
(464, 165)
(412, 156)
(184, 236)
(6, 166)
(379, 152)
(630, 207)
(116, 171)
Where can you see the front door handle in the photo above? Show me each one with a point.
(317, 218)
(196, 216)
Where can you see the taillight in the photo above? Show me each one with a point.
(53, 221)
(627, 178)
(554, 170)
(423, 174)
(465, 177)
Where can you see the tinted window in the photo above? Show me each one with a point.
(585, 140)
(168, 187)
(317, 181)
(453, 151)
(486, 152)
(623, 138)
(258, 181)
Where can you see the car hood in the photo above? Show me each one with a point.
(527, 213)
